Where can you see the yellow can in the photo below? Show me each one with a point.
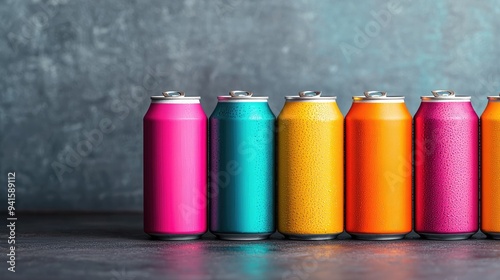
(490, 167)
(310, 167)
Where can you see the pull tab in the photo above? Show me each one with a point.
(240, 93)
(173, 93)
(310, 93)
(443, 93)
(375, 93)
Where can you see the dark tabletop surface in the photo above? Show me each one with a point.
(113, 246)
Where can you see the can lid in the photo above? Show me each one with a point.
(310, 95)
(241, 96)
(173, 96)
(377, 96)
(494, 98)
(444, 95)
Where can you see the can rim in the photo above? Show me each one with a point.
(377, 96)
(158, 97)
(378, 99)
(494, 98)
(174, 96)
(171, 99)
(447, 98)
(445, 95)
(242, 98)
(310, 98)
(176, 101)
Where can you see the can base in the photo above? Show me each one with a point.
(311, 237)
(377, 237)
(446, 237)
(175, 237)
(242, 236)
(492, 235)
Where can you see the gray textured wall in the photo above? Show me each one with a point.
(70, 69)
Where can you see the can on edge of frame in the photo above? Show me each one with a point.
(242, 147)
(378, 144)
(446, 167)
(310, 151)
(175, 167)
(490, 167)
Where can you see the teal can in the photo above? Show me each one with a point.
(242, 186)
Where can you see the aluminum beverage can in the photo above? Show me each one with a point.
(446, 167)
(242, 167)
(378, 141)
(310, 134)
(175, 167)
(490, 168)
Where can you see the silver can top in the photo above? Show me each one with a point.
(173, 96)
(310, 96)
(241, 96)
(378, 97)
(445, 95)
(494, 98)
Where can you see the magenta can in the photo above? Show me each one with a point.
(446, 167)
(175, 167)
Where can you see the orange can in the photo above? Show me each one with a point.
(378, 138)
(310, 167)
(490, 167)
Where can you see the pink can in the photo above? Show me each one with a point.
(446, 167)
(175, 167)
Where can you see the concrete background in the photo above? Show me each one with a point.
(76, 76)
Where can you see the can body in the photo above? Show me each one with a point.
(446, 169)
(175, 171)
(310, 170)
(378, 138)
(490, 166)
(242, 170)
